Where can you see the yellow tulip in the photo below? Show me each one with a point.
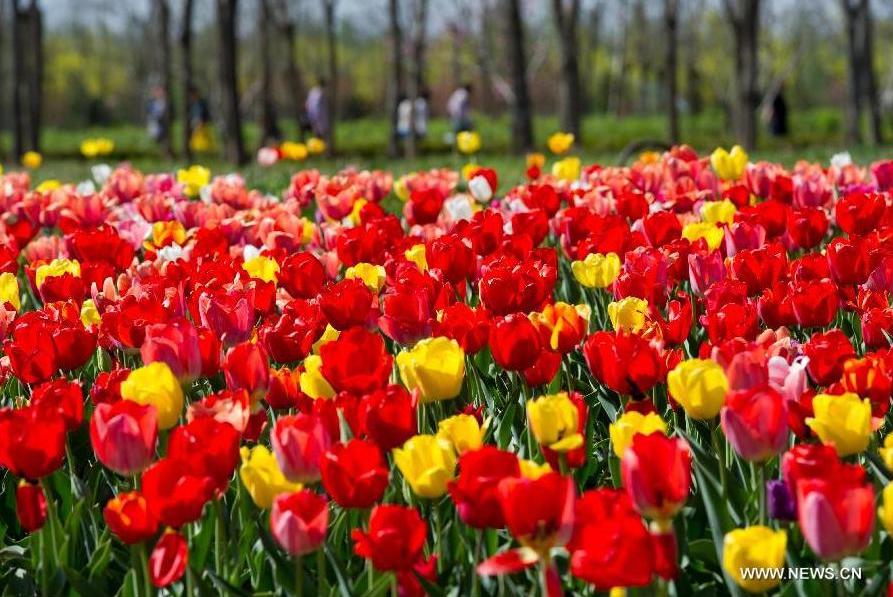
(718, 212)
(328, 335)
(416, 254)
(628, 314)
(315, 146)
(533, 470)
(427, 463)
(842, 421)
(468, 142)
(32, 160)
(193, 179)
(49, 186)
(293, 151)
(597, 270)
(401, 189)
(312, 381)
(435, 367)
(9, 290)
(535, 160)
(164, 233)
(90, 314)
(463, 432)
(356, 211)
(885, 512)
(156, 384)
(262, 477)
(104, 146)
(262, 268)
(554, 421)
(567, 169)
(630, 424)
(700, 386)
(886, 452)
(55, 268)
(711, 233)
(729, 165)
(89, 148)
(373, 276)
(560, 143)
(756, 547)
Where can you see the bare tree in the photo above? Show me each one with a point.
(396, 86)
(567, 17)
(744, 17)
(19, 20)
(862, 80)
(35, 74)
(692, 37)
(234, 144)
(671, 11)
(484, 50)
(522, 124)
(269, 125)
(288, 31)
(187, 82)
(332, 99)
(417, 79)
(163, 11)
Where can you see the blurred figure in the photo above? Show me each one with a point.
(317, 109)
(156, 115)
(421, 114)
(409, 112)
(404, 117)
(459, 109)
(199, 116)
(778, 115)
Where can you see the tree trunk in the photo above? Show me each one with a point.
(869, 81)
(187, 82)
(35, 76)
(18, 72)
(3, 111)
(522, 124)
(417, 80)
(854, 104)
(296, 88)
(567, 16)
(332, 91)
(269, 125)
(671, 8)
(744, 18)
(164, 41)
(395, 88)
(484, 49)
(234, 144)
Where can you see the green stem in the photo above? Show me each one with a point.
(761, 489)
(475, 578)
(721, 457)
(321, 580)
(394, 591)
(144, 564)
(219, 538)
(299, 577)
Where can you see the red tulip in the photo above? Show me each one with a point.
(837, 514)
(106, 387)
(610, 546)
(299, 521)
(807, 461)
(406, 315)
(760, 268)
(169, 559)
(656, 472)
(827, 353)
(247, 367)
(228, 313)
(877, 327)
(394, 540)
(175, 492)
(299, 442)
(346, 304)
(476, 489)
(626, 363)
(424, 205)
(354, 474)
(302, 275)
(511, 285)
(515, 342)
(661, 227)
(284, 391)
(848, 260)
(356, 362)
(731, 321)
(211, 349)
(859, 213)
(543, 370)
(755, 423)
(31, 506)
(388, 416)
(452, 256)
(210, 447)
(60, 398)
(129, 518)
(468, 326)
(290, 336)
(176, 343)
(807, 226)
(815, 302)
(123, 435)
(31, 446)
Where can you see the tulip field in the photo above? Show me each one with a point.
(671, 378)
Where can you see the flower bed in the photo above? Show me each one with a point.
(670, 378)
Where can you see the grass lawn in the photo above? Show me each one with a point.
(816, 136)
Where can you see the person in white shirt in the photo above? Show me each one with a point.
(459, 109)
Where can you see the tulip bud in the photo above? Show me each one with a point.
(299, 521)
(169, 558)
(299, 442)
(756, 547)
(31, 506)
(700, 386)
(123, 435)
(434, 366)
(129, 518)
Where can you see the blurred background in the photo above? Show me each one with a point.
(784, 77)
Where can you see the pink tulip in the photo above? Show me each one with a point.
(755, 423)
(299, 442)
(175, 343)
(123, 435)
(299, 520)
